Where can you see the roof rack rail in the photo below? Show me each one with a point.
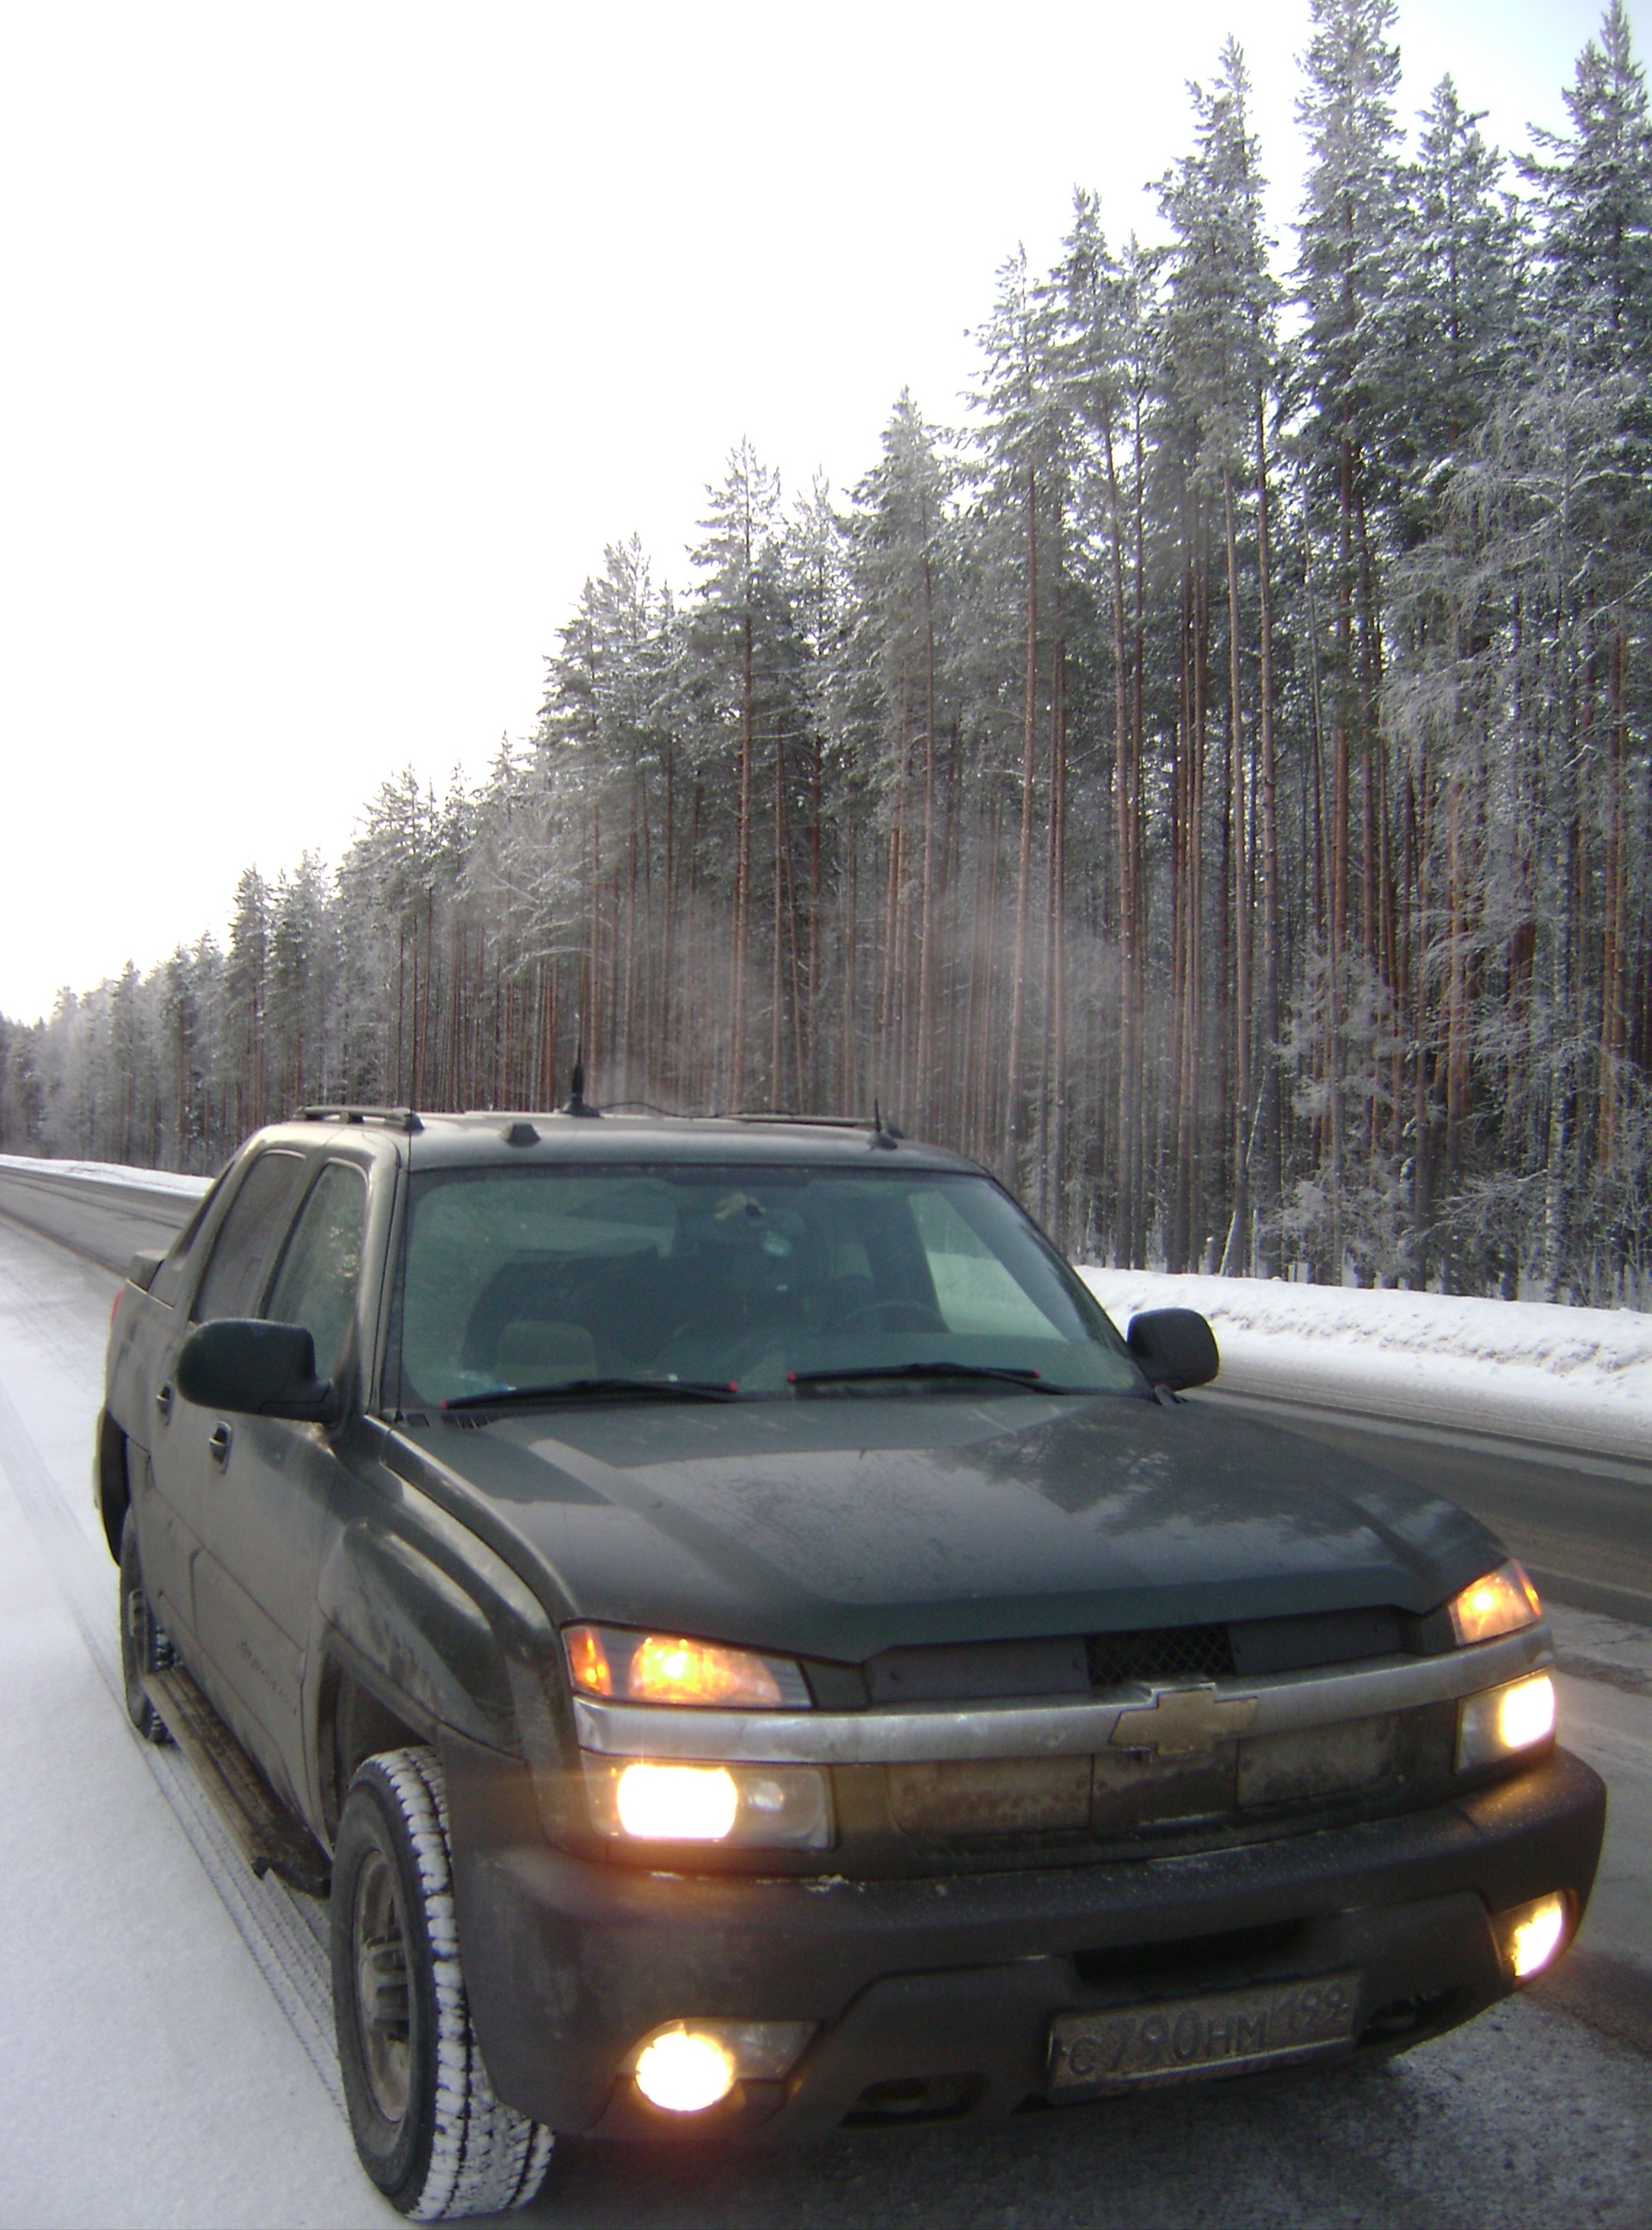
(813, 1122)
(399, 1118)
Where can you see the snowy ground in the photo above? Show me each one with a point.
(168, 2055)
(167, 2060)
(1576, 1378)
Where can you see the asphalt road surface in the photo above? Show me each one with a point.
(107, 1224)
(1580, 1524)
(167, 2059)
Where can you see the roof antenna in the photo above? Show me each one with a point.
(883, 1134)
(577, 1099)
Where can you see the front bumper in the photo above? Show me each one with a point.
(934, 1996)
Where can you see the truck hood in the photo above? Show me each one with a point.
(838, 1528)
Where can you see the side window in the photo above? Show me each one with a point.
(315, 1285)
(247, 1238)
(168, 1281)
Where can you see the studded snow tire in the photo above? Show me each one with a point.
(427, 2127)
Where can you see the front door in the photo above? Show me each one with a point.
(265, 1507)
(171, 1516)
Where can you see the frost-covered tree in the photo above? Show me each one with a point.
(1211, 786)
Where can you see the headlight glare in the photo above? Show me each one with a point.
(677, 1803)
(1500, 1723)
(762, 1808)
(671, 1668)
(1501, 1603)
(1533, 1935)
(685, 2071)
(687, 2065)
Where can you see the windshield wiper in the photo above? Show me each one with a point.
(1029, 1381)
(598, 1389)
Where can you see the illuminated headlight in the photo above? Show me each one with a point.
(763, 1808)
(686, 2066)
(1532, 1936)
(1502, 1602)
(1501, 1722)
(631, 1667)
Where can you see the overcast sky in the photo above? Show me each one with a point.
(340, 338)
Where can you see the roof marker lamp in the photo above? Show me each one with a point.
(1532, 1936)
(1501, 1723)
(1501, 1603)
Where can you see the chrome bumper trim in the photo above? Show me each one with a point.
(932, 1734)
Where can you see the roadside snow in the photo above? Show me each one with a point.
(1529, 1371)
(112, 1173)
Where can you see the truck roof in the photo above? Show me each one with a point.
(518, 1138)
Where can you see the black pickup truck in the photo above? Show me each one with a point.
(752, 1648)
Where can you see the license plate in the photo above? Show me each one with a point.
(1218, 2031)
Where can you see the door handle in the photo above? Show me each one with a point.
(220, 1443)
(163, 1404)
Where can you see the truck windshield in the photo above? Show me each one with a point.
(769, 1280)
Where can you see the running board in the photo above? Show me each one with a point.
(265, 1831)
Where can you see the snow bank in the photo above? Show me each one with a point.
(1531, 1370)
(108, 1173)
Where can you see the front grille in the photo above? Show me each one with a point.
(1072, 1664)
(1170, 1653)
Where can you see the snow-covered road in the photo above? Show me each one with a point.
(168, 2053)
(166, 2058)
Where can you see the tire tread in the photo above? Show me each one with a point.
(485, 2157)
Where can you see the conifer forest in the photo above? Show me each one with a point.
(1209, 784)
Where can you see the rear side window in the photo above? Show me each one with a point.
(248, 1237)
(315, 1285)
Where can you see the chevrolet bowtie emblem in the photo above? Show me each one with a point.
(1183, 1722)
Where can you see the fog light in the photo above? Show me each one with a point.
(1533, 1935)
(685, 2071)
(687, 2065)
(1502, 1721)
(678, 1803)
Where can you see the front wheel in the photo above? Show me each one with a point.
(427, 2127)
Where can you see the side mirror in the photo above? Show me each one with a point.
(1175, 1347)
(255, 1369)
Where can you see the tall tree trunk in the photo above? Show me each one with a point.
(742, 866)
(1024, 857)
(926, 1060)
(1235, 1255)
(1268, 1159)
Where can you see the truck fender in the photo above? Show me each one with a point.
(111, 1485)
(428, 1639)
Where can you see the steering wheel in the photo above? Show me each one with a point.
(893, 1316)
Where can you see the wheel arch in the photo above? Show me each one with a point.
(423, 1636)
(112, 1482)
